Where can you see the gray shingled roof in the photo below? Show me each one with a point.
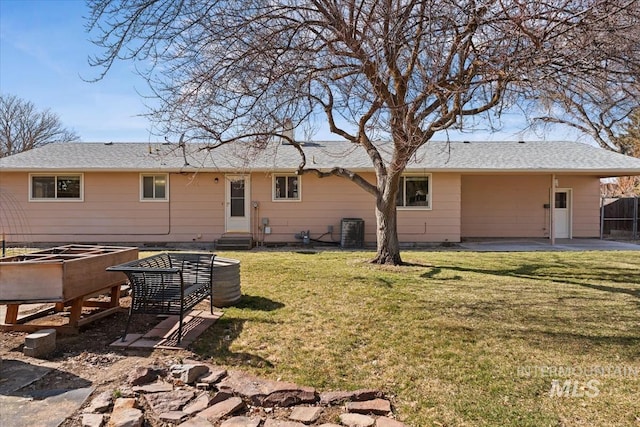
(495, 157)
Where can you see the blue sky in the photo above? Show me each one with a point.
(43, 59)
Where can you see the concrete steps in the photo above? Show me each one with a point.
(235, 242)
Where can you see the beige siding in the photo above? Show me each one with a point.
(504, 206)
(513, 206)
(112, 211)
(439, 224)
(585, 192)
(467, 206)
(326, 201)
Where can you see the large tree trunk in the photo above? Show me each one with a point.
(386, 225)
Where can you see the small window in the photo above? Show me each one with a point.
(414, 192)
(56, 187)
(561, 200)
(286, 187)
(154, 187)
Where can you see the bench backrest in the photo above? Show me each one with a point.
(196, 268)
(187, 268)
(156, 261)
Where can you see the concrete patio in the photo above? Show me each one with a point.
(538, 245)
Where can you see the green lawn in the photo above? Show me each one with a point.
(457, 338)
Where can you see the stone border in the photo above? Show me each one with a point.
(195, 394)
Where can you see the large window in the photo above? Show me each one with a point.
(154, 187)
(56, 187)
(286, 187)
(414, 192)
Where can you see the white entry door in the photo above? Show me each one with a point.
(237, 209)
(562, 214)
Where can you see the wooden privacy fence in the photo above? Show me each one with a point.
(619, 217)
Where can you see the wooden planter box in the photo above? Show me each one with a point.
(65, 275)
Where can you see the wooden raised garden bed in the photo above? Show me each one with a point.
(65, 275)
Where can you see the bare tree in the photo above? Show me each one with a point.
(601, 107)
(629, 138)
(628, 142)
(23, 127)
(400, 70)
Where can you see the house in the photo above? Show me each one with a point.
(185, 194)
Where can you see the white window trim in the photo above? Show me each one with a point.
(56, 199)
(430, 195)
(154, 200)
(285, 199)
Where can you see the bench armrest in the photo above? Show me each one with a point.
(125, 269)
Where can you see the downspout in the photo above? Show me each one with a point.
(602, 216)
(552, 208)
(636, 212)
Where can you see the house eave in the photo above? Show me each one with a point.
(603, 173)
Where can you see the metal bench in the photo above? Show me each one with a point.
(168, 284)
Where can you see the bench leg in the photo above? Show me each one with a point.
(126, 328)
(180, 326)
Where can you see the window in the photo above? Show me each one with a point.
(414, 192)
(561, 200)
(154, 187)
(56, 187)
(286, 187)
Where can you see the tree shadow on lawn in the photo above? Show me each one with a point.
(547, 341)
(534, 271)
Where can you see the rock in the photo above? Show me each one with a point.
(214, 376)
(305, 414)
(288, 394)
(330, 398)
(189, 373)
(158, 387)
(92, 420)
(356, 420)
(366, 394)
(270, 422)
(200, 403)
(100, 403)
(263, 392)
(375, 407)
(222, 409)
(241, 422)
(196, 422)
(329, 425)
(125, 403)
(169, 401)
(219, 397)
(142, 375)
(248, 386)
(388, 422)
(126, 417)
(173, 417)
